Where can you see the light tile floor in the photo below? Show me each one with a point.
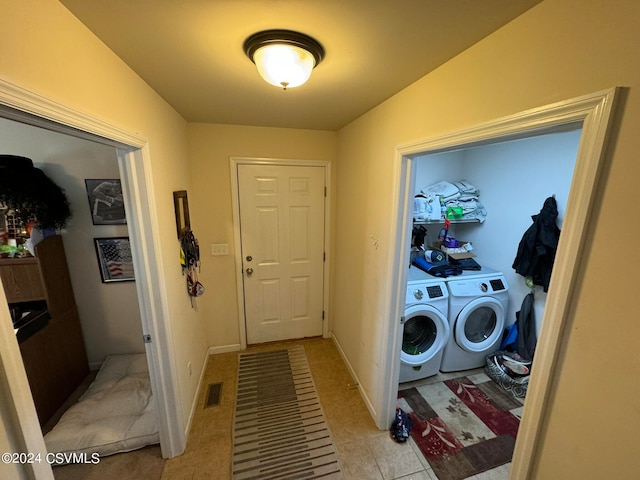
(366, 453)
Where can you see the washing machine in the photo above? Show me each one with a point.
(478, 304)
(426, 327)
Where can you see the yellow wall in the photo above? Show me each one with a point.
(560, 49)
(210, 148)
(46, 50)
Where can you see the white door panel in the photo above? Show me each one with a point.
(282, 241)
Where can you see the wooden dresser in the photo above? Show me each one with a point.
(54, 357)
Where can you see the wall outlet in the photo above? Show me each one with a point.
(220, 249)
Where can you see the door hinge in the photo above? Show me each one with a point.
(324, 256)
(146, 338)
(323, 314)
(402, 320)
(325, 191)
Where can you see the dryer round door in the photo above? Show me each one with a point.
(425, 333)
(479, 324)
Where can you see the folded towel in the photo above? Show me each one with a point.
(466, 196)
(465, 187)
(444, 189)
(467, 206)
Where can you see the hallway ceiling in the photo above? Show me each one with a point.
(190, 51)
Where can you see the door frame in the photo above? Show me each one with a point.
(134, 162)
(234, 162)
(594, 113)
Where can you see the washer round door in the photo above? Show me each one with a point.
(479, 324)
(425, 333)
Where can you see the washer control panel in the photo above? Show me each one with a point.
(475, 287)
(422, 293)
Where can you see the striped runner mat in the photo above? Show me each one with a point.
(279, 429)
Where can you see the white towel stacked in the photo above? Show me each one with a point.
(465, 188)
(458, 194)
(445, 190)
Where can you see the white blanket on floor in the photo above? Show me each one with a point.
(115, 414)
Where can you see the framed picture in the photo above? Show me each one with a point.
(105, 201)
(114, 259)
(181, 205)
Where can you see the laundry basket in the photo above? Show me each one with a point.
(517, 386)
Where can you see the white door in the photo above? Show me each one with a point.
(282, 241)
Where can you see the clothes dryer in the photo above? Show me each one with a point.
(478, 304)
(425, 326)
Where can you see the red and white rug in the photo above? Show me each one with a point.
(463, 426)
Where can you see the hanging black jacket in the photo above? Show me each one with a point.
(526, 320)
(537, 249)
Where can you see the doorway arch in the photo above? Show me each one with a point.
(593, 113)
(134, 163)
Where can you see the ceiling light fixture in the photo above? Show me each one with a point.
(284, 58)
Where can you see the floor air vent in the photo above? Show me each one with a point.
(213, 395)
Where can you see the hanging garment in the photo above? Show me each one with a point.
(520, 337)
(537, 249)
(526, 321)
(190, 261)
(417, 237)
(189, 252)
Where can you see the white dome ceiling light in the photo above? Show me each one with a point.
(284, 58)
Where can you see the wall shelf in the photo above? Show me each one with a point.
(441, 221)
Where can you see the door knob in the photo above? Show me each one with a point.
(249, 271)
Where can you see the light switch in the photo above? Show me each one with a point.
(220, 249)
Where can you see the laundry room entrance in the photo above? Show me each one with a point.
(497, 188)
(514, 165)
(510, 181)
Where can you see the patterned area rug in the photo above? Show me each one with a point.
(279, 428)
(463, 426)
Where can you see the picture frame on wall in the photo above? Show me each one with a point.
(181, 204)
(106, 201)
(114, 259)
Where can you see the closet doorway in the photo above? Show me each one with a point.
(132, 153)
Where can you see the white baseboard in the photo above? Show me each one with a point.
(363, 393)
(194, 403)
(224, 349)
